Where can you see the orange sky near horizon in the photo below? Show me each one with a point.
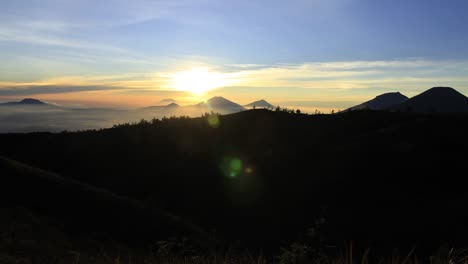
(334, 85)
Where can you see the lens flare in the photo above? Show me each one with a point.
(213, 121)
(231, 167)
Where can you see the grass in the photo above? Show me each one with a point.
(347, 255)
(77, 258)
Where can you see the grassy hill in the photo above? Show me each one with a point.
(263, 178)
(80, 210)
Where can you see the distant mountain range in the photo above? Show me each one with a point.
(34, 115)
(215, 104)
(434, 100)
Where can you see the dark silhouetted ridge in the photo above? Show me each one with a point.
(381, 176)
(381, 102)
(27, 101)
(31, 101)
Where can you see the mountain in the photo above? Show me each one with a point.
(164, 108)
(435, 100)
(26, 101)
(220, 102)
(168, 100)
(259, 104)
(381, 102)
(221, 105)
(172, 105)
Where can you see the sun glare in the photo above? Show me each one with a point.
(198, 80)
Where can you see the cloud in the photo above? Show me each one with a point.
(246, 65)
(347, 80)
(53, 89)
(357, 74)
(31, 35)
(66, 23)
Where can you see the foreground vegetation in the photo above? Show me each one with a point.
(296, 254)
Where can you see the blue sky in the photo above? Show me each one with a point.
(300, 50)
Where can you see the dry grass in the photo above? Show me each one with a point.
(348, 256)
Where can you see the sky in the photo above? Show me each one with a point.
(327, 53)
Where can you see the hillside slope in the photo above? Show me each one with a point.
(375, 176)
(83, 208)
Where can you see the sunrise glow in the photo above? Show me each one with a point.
(198, 80)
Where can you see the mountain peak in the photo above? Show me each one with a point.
(27, 101)
(220, 101)
(221, 104)
(442, 91)
(172, 105)
(396, 94)
(167, 101)
(382, 101)
(262, 103)
(436, 100)
(31, 101)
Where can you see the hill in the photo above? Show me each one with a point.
(261, 170)
(435, 100)
(381, 102)
(85, 209)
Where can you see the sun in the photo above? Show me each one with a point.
(198, 80)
